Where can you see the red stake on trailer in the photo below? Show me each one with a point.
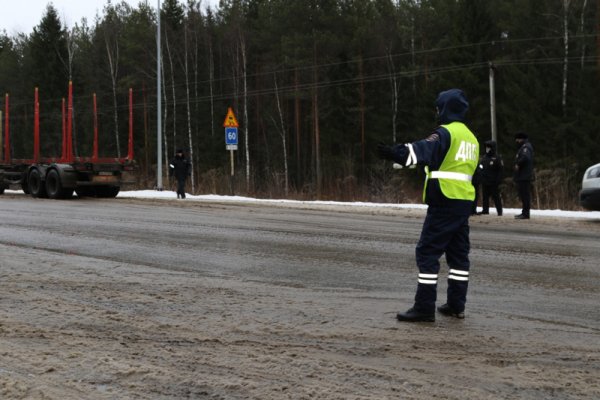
(63, 153)
(95, 148)
(36, 127)
(130, 143)
(6, 132)
(70, 125)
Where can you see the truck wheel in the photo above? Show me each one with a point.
(25, 187)
(36, 185)
(54, 187)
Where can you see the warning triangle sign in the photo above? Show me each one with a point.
(230, 120)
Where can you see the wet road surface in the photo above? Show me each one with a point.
(293, 303)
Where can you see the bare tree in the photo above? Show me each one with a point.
(172, 89)
(317, 133)
(283, 134)
(189, 112)
(211, 79)
(70, 36)
(164, 130)
(582, 31)
(394, 87)
(566, 4)
(112, 51)
(245, 96)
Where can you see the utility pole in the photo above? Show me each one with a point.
(493, 102)
(159, 185)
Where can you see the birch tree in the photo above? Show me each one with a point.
(245, 111)
(188, 106)
(566, 4)
(173, 14)
(111, 41)
(165, 115)
(173, 93)
(283, 134)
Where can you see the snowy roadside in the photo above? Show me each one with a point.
(169, 195)
(153, 194)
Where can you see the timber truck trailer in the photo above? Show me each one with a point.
(59, 177)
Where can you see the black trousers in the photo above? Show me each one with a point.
(524, 190)
(493, 192)
(181, 188)
(446, 233)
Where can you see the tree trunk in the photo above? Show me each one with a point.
(196, 112)
(566, 55)
(297, 125)
(361, 108)
(283, 136)
(211, 79)
(245, 95)
(172, 91)
(146, 146)
(582, 31)
(113, 62)
(316, 125)
(189, 112)
(394, 90)
(164, 131)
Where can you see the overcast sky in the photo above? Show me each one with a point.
(20, 16)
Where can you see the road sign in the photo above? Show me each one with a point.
(230, 120)
(231, 136)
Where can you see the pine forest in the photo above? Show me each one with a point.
(315, 85)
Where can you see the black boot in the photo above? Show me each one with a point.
(450, 312)
(415, 316)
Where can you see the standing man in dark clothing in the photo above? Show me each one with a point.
(450, 156)
(476, 181)
(491, 167)
(180, 167)
(523, 173)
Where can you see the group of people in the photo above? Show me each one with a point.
(488, 177)
(450, 158)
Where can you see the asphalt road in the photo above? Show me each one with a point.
(533, 318)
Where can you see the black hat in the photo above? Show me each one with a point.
(179, 151)
(521, 135)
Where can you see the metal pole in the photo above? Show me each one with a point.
(231, 176)
(159, 185)
(493, 103)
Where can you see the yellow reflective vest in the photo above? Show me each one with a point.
(459, 164)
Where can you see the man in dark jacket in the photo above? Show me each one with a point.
(491, 167)
(180, 167)
(523, 172)
(476, 181)
(450, 156)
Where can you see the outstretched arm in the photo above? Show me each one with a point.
(421, 152)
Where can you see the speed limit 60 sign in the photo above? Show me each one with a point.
(231, 138)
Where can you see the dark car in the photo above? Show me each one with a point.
(589, 196)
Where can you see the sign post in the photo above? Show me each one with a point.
(231, 138)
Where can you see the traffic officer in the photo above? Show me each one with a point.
(180, 167)
(450, 156)
(491, 167)
(523, 172)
